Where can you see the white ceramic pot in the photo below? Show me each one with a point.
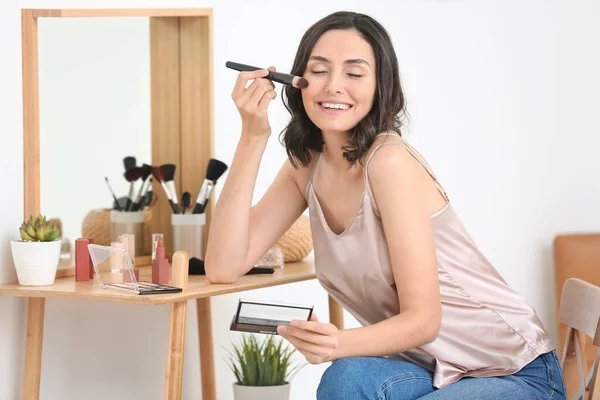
(36, 262)
(281, 392)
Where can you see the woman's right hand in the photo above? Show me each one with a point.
(252, 102)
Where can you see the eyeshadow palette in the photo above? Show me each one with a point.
(265, 316)
(143, 287)
(113, 270)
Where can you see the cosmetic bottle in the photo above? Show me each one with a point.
(82, 260)
(128, 222)
(116, 263)
(160, 265)
(155, 238)
(91, 241)
(128, 240)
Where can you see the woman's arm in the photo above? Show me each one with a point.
(239, 235)
(400, 187)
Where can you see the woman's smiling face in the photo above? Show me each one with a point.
(342, 82)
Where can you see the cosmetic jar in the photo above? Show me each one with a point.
(188, 235)
(125, 222)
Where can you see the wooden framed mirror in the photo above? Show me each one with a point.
(74, 132)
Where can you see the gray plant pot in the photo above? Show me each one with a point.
(281, 392)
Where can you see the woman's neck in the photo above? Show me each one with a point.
(333, 152)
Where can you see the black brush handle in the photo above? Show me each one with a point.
(278, 77)
(260, 270)
(200, 207)
(203, 207)
(116, 205)
(174, 207)
(197, 209)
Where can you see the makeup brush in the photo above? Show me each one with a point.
(186, 201)
(168, 171)
(296, 81)
(196, 267)
(116, 204)
(129, 162)
(132, 175)
(147, 171)
(122, 202)
(158, 175)
(148, 198)
(214, 171)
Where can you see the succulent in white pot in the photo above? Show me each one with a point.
(37, 254)
(262, 371)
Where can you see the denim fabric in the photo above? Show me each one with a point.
(378, 378)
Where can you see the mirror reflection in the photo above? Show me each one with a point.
(94, 82)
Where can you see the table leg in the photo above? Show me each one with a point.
(207, 367)
(336, 313)
(33, 355)
(174, 375)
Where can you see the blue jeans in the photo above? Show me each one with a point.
(378, 378)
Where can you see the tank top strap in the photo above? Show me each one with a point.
(413, 152)
(310, 178)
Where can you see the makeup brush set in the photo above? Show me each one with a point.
(143, 197)
(164, 174)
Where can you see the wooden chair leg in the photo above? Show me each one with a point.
(569, 365)
(336, 313)
(33, 355)
(207, 366)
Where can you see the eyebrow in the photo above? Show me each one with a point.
(349, 61)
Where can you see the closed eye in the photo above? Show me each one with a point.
(324, 72)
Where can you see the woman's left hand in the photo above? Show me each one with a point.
(315, 340)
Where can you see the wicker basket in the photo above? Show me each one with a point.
(96, 224)
(297, 242)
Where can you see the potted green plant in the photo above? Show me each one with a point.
(37, 254)
(262, 371)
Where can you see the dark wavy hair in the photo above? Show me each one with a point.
(301, 135)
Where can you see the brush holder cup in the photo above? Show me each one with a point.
(122, 222)
(188, 232)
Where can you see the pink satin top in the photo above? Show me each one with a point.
(487, 328)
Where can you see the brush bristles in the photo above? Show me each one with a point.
(129, 162)
(215, 169)
(157, 174)
(300, 82)
(168, 171)
(147, 171)
(133, 174)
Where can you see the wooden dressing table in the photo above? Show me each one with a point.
(197, 288)
(181, 83)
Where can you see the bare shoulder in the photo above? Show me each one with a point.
(301, 174)
(399, 171)
(391, 158)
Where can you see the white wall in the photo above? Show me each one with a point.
(502, 97)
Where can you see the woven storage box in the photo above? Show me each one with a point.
(96, 224)
(297, 242)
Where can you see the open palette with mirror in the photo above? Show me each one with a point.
(103, 85)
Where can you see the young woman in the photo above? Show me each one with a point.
(439, 322)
